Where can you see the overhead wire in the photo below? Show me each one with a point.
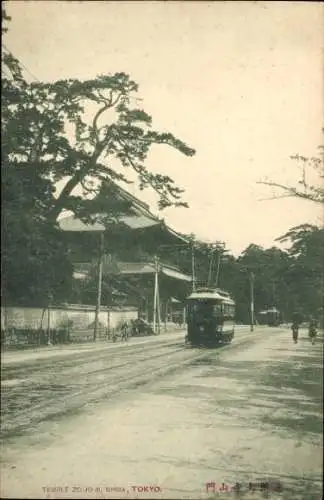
(21, 63)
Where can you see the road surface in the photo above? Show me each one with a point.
(155, 419)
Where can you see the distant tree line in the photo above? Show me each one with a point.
(291, 280)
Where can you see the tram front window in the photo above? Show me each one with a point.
(203, 310)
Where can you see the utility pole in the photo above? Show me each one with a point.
(100, 266)
(251, 278)
(156, 303)
(166, 309)
(49, 339)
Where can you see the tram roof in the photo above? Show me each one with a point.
(270, 310)
(210, 294)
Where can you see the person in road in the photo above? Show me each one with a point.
(296, 320)
(124, 331)
(295, 331)
(312, 329)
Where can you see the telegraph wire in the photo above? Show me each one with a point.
(21, 63)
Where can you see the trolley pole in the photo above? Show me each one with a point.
(211, 260)
(220, 250)
(193, 265)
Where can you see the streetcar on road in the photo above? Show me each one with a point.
(210, 314)
(270, 317)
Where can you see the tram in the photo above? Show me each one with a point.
(210, 317)
(270, 317)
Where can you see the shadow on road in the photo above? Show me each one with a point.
(281, 396)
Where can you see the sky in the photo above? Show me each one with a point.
(240, 82)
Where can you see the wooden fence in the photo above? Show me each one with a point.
(23, 326)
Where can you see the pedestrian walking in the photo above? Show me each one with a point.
(124, 331)
(296, 320)
(295, 332)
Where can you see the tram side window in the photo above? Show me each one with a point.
(194, 309)
(217, 309)
(228, 310)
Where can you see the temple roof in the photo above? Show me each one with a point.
(81, 270)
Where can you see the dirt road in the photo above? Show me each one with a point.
(159, 420)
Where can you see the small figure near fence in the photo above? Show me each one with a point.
(122, 332)
(140, 327)
(31, 337)
(125, 331)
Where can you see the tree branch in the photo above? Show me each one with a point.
(142, 171)
(71, 184)
(110, 104)
(279, 197)
(292, 192)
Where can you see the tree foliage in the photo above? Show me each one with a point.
(305, 275)
(82, 134)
